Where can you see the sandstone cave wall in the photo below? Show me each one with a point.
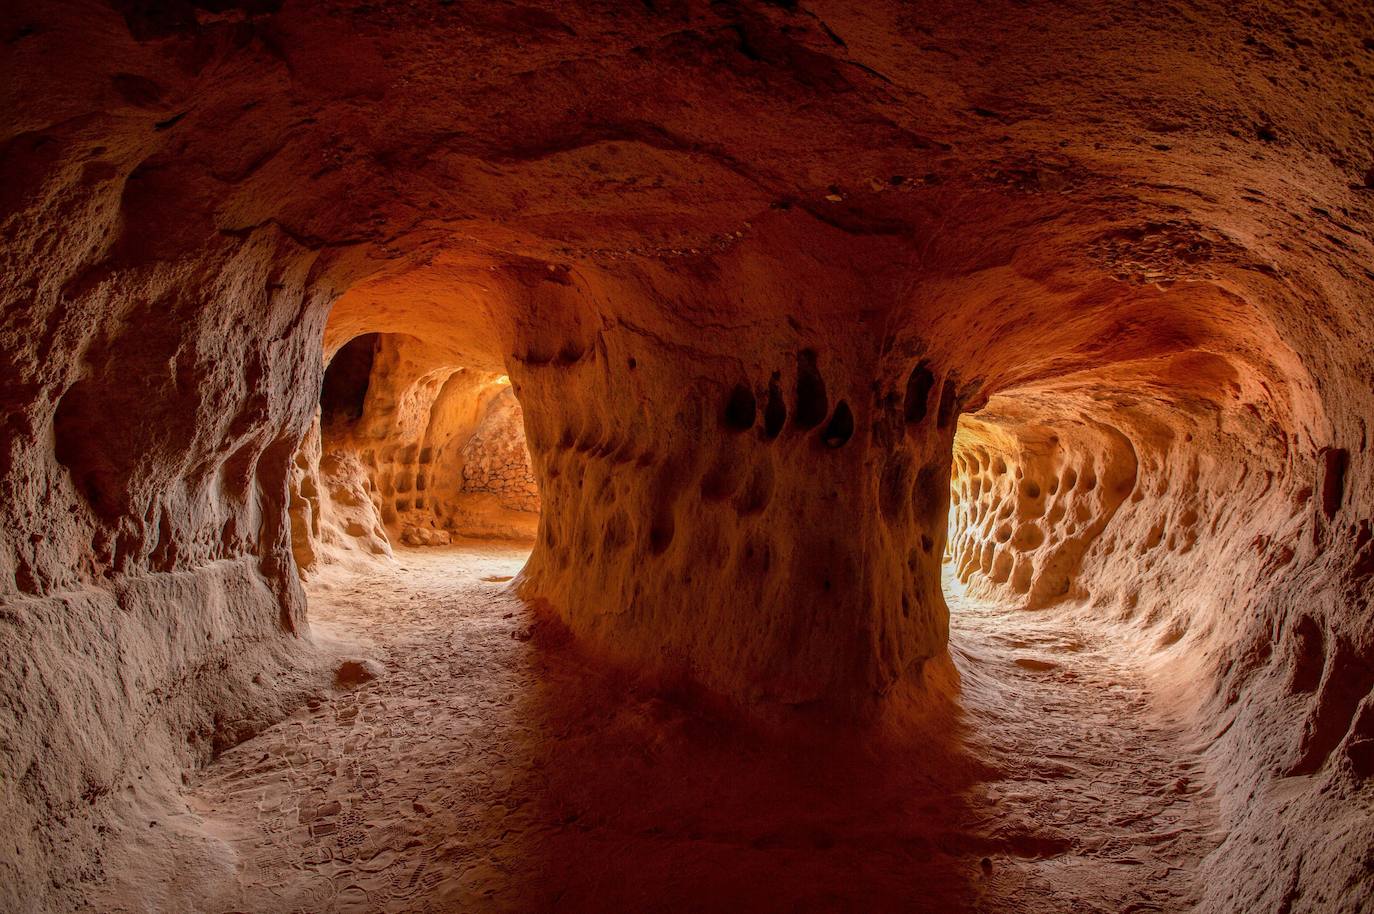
(787, 224)
(150, 609)
(744, 492)
(335, 515)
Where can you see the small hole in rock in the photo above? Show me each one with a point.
(918, 387)
(840, 428)
(740, 409)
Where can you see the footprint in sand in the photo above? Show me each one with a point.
(1036, 666)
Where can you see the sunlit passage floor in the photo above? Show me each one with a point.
(490, 769)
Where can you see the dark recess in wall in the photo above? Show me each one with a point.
(345, 381)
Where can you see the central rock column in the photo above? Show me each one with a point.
(765, 517)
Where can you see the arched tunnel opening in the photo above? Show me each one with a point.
(738, 456)
(343, 392)
(408, 449)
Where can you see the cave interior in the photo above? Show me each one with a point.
(685, 456)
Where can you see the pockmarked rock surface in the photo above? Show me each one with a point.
(794, 300)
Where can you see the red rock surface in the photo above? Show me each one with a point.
(767, 280)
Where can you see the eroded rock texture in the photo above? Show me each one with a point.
(745, 266)
(773, 529)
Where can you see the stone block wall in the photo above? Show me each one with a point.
(496, 461)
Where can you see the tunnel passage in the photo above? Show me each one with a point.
(748, 267)
(408, 448)
(1136, 489)
(1128, 490)
(1027, 508)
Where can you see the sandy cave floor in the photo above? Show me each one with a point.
(490, 769)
